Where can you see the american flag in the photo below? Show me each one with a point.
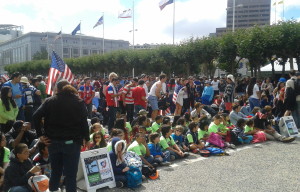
(5, 77)
(58, 70)
(176, 91)
(99, 22)
(58, 36)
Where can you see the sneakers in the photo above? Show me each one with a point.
(232, 146)
(166, 163)
(119, 184)
(172, 157)
(288, 139)
(186, 154)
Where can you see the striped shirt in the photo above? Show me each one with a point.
(128, 94)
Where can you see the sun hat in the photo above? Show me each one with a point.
(24, 80)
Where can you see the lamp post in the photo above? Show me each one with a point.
(133, 37)
(233, 13)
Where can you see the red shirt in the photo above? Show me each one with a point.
(137, 94)
(111, 101)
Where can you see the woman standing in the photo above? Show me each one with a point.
(8, 110)
(253, 93)
(229, 93)
(267, 88)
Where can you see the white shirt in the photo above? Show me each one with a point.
(146, 89)
(154, 87)
(255, 89)
(215, 85)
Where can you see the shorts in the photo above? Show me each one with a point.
(153, 102)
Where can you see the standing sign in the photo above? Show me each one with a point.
(288, 127)
(97, 169)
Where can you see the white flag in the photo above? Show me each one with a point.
(125, 14)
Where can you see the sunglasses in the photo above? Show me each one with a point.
(97, 137)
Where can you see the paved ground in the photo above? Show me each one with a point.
(271, 166)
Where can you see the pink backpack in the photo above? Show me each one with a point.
(259, 137)
(216, 140)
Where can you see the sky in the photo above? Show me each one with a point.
(193, 18)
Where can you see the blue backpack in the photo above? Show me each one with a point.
(214, 151)
(134, 177)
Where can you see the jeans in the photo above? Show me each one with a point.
(137, 109)
(247, 141)
(121, 178)
(165, 157)
(174, 154)
(254, 103)
(296, 114)
(111, 117)
(130, 111)
(150, 159)
(89, 108)
(153, 101)
(64, 158)
(28, 112)
(19, 189)
(21, 115)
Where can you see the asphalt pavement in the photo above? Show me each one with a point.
(271, 166)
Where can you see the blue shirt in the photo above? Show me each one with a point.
(16, 90)
(178, 139)
(208, 90)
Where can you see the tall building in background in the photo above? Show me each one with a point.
(8, 32)
(248, 13)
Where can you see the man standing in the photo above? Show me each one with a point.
(87, 93)
(65, 125)
(215, 85)
(112, 102)
(157, 90)
(139, 96)
(16, 88)
(128, 100)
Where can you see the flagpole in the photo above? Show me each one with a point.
(103, 36)
(133, 24)
(283, 10)
(275, 12)
(80, 54)
(62, 44)
(174, 23)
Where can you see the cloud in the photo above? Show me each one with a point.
(193, 17)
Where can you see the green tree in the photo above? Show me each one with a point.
(40, 55)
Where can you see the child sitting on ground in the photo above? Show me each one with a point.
(179, 138)
(96, 127)
(192, 138)
(216, 126)
(140, 147)
(98, 141)
(42, 159)
(239, 132)
(258, 136)
(203, 130)
(168, 144)
(156, 125)
(115, 133)
(166, 121)
(160, 157)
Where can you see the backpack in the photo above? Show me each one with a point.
(134, 177)
(216, 140)
(214, 151)
(39, 183)
(297, 87)
(148, 172)
(259, 137)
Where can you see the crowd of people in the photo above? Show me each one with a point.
(159, 119)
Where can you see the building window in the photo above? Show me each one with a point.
(85, 51)
(66, 50)
(76, 51)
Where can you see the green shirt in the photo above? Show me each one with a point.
(247, 129)
(139, 149)
(128, 126)
(6, 155)
(223, 128)
(166, 142)
(109, 147)
(155, 126)
(201, 134)
(190, 138)
(8, 115)
(42, 88)
(213, 128)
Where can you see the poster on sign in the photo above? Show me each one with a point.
(288, 127)
(97, 169)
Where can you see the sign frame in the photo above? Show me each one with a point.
(288, 127)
